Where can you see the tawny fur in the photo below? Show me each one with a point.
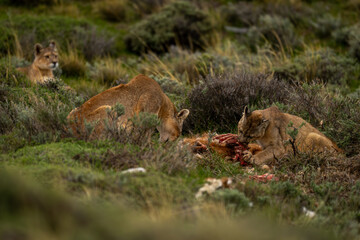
(268, 128)
(46, 60)
(141, 94)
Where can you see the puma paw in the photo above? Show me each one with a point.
(247, 155)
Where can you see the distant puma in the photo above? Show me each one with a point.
(268, 128)
(46, 60)
(141, 94)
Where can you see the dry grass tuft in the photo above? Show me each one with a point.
(72, 64)
(109, 71)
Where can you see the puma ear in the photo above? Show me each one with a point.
(38, 48)
(52, 44)
(183, 114)
(246, 112)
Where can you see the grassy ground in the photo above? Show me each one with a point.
(213, 58)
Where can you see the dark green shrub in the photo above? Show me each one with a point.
(323, 65)
(285, 190)
(27, 3)
(341, 36)
(240, 14)
(7, 41)
(218, 103)
(115, 10)
(177, 23)
(67, 32)
(278, 31)
(232, 198)
(296, 12)
(349, 36)
(148, 6)
(325, 25)
(355, 46)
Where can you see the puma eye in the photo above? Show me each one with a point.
(47, 57)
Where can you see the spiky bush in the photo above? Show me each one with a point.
(218, 102)
(177, 23)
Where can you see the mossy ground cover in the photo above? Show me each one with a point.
(300, 56)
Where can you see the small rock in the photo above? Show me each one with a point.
(308, 213)
(134, 170)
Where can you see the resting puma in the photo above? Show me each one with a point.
(46, 60)
(141, 94)
(268, 127)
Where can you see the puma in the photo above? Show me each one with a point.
(141, 94)
(268, 128)
(46, 60)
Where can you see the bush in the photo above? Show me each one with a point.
(67, 32)
(109, 72)
(322, 174)
(148, 6)
(116, 10)
(296, 12)
(218, 103)
(138, 130)
(72, 64)
(177, 23)
(28, 3)
(322, 65)
(242, 14)
(7, 41)
(278, 31)
(349, 36)
(232, 198)
(325, 25)
(37, 113)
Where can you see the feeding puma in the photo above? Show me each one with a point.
(268, 128)
(46, 60)
(141, 94)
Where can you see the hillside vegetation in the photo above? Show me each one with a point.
(211, 57)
